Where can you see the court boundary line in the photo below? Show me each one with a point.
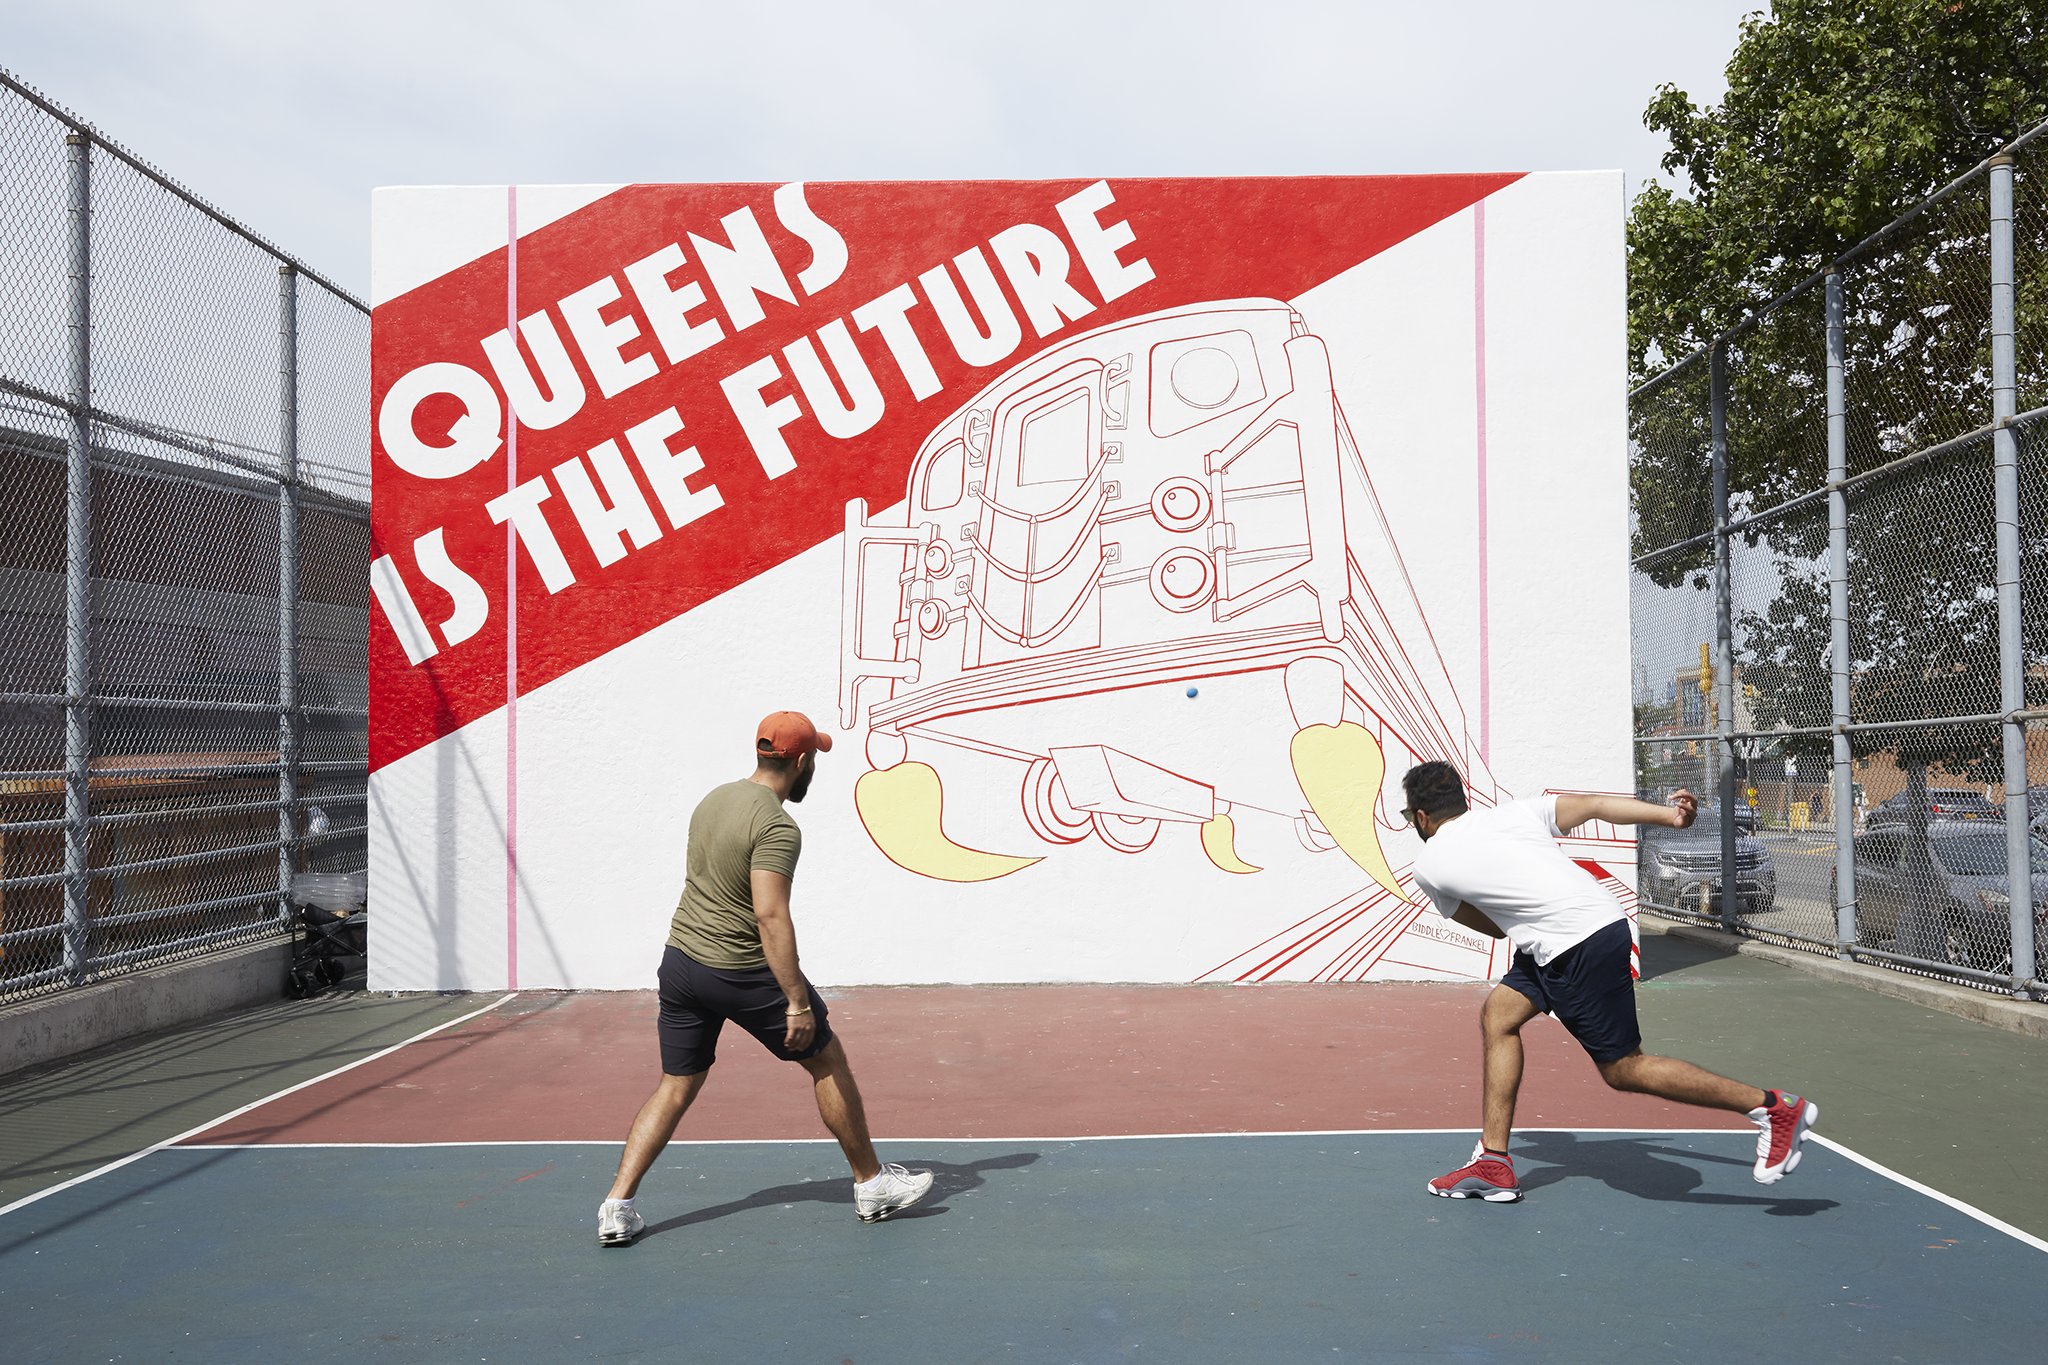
(1879, 1168)
(155, 1147)
(1972, 1210)
(833, 1142)
(178, 1141)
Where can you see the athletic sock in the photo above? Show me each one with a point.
(1770, 1099)
(622, 1203)
(1502, 1155)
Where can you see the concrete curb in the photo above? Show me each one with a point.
(2015, 1016)
(52, 1027)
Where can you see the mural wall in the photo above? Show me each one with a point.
(1133, 537)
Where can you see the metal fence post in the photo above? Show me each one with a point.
(287, 585)
(1724, 634)
(78, 569)
(2012, 686)
(1838, 622)
(135, 642)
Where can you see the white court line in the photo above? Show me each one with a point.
(237, 1113)
(829, 1142)
(1889, 1174)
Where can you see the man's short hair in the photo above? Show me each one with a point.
(1435, 789)
(776, 763)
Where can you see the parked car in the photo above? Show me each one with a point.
(1745, 814)
(1943, 803)
(1966, 893)
(1682, 867)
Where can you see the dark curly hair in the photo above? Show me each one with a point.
(1435, 788)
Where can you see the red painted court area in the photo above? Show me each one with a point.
(977, 1062)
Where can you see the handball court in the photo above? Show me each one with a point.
(1185, 1173)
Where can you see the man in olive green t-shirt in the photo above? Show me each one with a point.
(731, 954)
(739, 829)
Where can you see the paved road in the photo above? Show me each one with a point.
(1805, 864)
(1805, 907)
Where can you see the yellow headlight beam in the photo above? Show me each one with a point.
(1340, 768)
(1219, 841)
(902, 808)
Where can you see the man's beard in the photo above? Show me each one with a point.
(803, 782)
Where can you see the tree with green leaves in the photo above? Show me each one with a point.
(1840, 115)
(1839, 118)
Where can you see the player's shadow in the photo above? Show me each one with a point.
(1634, 1166)
(949, 1179)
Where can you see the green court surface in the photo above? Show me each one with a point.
(1954, 1104)
(58, 1122)
(403, 1208)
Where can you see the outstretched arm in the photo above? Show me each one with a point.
(1574, 810)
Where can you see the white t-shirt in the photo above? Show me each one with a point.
(1504, 862)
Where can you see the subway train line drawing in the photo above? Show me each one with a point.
(1172, 502)
(1368, 929)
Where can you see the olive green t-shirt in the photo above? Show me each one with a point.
(738, 829)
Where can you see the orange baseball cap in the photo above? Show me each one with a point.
(789, 734)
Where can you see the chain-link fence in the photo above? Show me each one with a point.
(1837, 506)
(184, 553)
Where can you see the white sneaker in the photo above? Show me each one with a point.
(892, 1189)
(618, 1223)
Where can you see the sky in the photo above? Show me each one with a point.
(286, 116)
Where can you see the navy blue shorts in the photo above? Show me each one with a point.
(1589, 989)
(696, 1000)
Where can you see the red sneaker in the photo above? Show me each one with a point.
(1781, 1127)
(1490, 1177)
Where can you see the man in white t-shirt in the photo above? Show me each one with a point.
(1501, 872)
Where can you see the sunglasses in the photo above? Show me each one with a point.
(1408, 814)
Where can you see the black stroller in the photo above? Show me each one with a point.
(330, 931)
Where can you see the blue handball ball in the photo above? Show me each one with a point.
(1191, 691)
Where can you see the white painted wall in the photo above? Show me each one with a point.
(613, 755)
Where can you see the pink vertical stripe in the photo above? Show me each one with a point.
(1479, 380)
(511, 614)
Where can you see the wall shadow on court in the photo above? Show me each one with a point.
(1635, 1166)
(1665, 956)
(949, 1179)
